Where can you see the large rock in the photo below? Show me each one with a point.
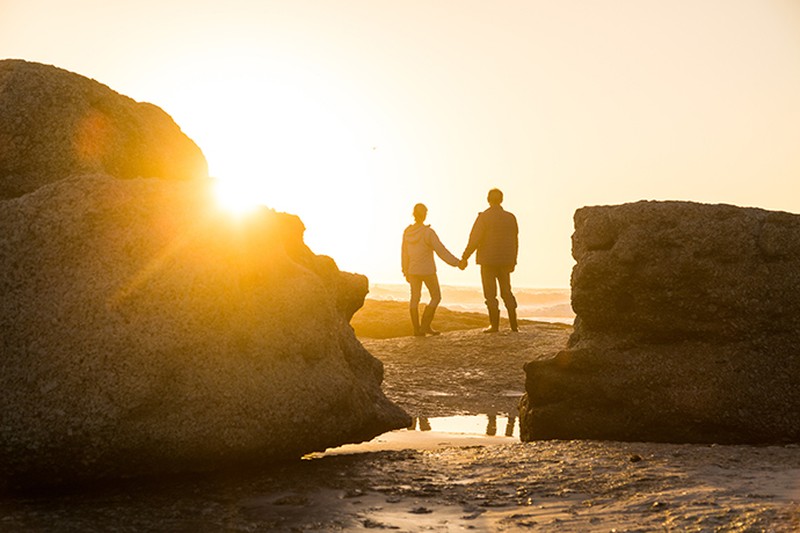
(687, 329)
(144, 331)
(54, 123)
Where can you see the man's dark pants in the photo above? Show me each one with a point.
(491, 277)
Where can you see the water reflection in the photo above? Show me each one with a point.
(420, 422)
(467, 424)
(510, 426)
(424, 424)
(491, 427)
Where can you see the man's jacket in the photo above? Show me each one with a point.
(495, 236)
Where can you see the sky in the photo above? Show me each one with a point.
(348, 112)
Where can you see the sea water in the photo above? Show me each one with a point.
(544, 305)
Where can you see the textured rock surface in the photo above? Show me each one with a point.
(142, 330)
(687, 329)
(54, 123)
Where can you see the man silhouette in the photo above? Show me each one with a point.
(495, 236)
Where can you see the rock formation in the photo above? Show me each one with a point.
(54, 123)
(145, 331)
(687, 329)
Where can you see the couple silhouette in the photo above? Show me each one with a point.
(494, 236)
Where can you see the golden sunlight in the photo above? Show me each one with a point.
(235, 197)
(294, 146)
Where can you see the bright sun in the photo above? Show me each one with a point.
(235, 196)
(291, 144)
(295, 141)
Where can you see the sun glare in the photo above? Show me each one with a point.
(297, 140)
(235, 197)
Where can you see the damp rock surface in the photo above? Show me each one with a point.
(144, 331)
(686, 329)
(55, 123)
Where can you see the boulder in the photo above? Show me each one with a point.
(54, 123)
(687, 329)
(144, 331)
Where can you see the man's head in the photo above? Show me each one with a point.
(420, 212)
(495, 197)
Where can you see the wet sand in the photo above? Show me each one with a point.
(415, 480)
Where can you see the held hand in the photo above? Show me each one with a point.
(462, 264)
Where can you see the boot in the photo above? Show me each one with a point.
(415, 322)
(427, 318)
(512, 319)
(494, 321)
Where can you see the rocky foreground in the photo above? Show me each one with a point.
(509, 486)
(142, 329)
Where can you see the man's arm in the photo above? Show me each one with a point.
(516, 238)
(475, 237)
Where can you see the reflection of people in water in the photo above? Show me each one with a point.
(495, 237)
(419, 244)
(510, 426)
(424, 425)
(491, 426)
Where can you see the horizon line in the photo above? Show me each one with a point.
(478, 287)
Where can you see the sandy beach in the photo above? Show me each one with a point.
(413, 480)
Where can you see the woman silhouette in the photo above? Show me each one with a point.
(419, 243)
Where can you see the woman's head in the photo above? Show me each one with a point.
(420, 212)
